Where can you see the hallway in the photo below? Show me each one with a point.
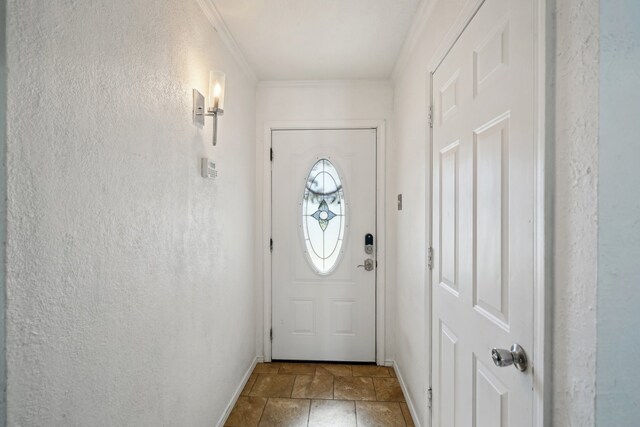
(320, 394)
(192, 189)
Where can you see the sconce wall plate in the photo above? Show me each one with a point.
(198, 108)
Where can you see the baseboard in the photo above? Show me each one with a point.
(236, 395)
(407, 396)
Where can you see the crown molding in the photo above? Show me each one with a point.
(424, 12)
(322, 83)
(213, 15)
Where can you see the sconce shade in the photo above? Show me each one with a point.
(216, 89)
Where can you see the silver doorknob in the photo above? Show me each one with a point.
(368, 264)
(515, 356)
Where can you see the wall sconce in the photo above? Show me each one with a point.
(216, 102)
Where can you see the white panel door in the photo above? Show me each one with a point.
(483, 213)
(323, 206)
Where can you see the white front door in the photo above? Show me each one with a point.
(483, 219)
(323, 214)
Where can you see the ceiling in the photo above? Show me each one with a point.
(319, 39)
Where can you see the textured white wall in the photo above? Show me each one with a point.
(576, 99)
(325, 101)
(575, 258)
(412, 97)
(129, 297)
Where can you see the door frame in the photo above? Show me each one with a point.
(543, 210)
(381, 174)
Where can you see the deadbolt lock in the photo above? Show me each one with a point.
(368, 244)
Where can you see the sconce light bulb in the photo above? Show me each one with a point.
(216, 90)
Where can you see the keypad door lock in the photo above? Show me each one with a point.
(368, 244)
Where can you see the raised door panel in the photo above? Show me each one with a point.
(490, 397)
(448, 214)
(447, 368)
(303, 317)
(491, 213)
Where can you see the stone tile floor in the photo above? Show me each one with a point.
(320, 394)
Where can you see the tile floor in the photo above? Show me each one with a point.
(318, 394)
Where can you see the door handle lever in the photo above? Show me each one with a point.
(368, 264)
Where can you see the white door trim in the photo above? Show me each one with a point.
(543, 281)
(380, 126)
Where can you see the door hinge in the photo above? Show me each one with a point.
(429, 397)
(271, 245)
(271, 334)
(271, 154)
(430, 258)
(430, 116)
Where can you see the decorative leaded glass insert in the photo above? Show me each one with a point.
(323, 216)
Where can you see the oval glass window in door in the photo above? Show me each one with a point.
(323, 217)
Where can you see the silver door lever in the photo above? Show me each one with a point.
(368, 264)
